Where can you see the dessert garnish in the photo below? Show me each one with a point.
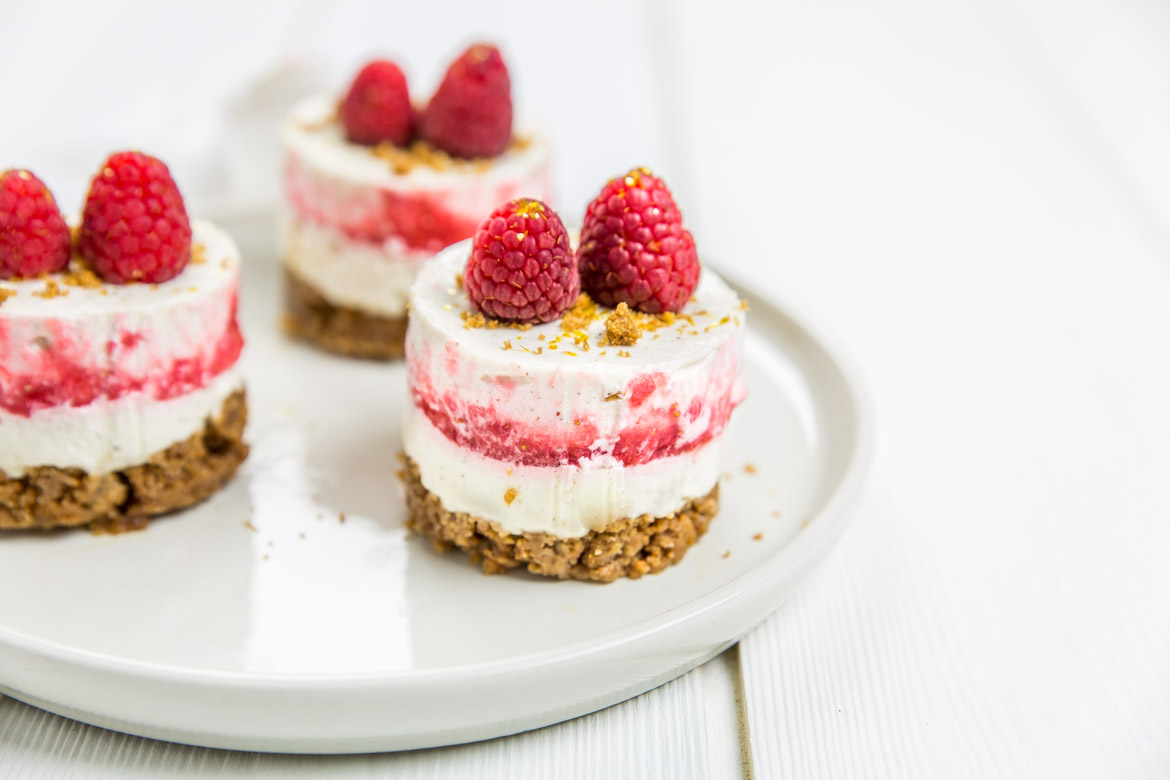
(521, 267)
(377, 107)
(34, 238)
(621, 328)
(634, 248)
(470, 114)
(135, 227)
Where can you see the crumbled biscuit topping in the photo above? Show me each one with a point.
(422, 153)
(81, 274)
(621, 329)
(580, 315)
(623, 326)
(52, 290)
(477, 319)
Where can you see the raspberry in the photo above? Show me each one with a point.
(470, 114)
(34, 239)
(521, 267)
(377, 107)
(634, 249)
(134, 227)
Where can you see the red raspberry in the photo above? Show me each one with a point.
(521, 267)
(377, 107)
(634, 249)
(471, 112)
(34, 239)
(135, 227)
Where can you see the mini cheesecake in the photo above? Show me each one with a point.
(588, 447)
(358, 222)
(120, 401)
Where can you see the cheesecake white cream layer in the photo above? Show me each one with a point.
(106, 436)
(374, 278)
(545, 383)
(565, 501)
(128, 329)
(331, 183)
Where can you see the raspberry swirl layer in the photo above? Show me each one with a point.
(599, 434)
(347, 210)
(100, 376)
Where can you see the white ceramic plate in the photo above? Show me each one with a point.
(309, 634)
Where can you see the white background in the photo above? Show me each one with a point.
(973, 196)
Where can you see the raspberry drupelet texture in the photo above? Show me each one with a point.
(470, 114)
(521, 267)
(377, 107)
(34, 238)
(634, 249)
(135, 227)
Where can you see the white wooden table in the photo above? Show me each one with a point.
(975, 197)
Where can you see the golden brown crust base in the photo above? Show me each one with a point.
(309, 317)
(629, 547)
(181, 475)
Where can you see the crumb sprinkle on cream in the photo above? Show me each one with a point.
(423, 154)
(52, 290)
(621, 328)
(81, 274)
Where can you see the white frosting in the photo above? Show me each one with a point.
(105, 435)
(174, 319)
(312, 133)
(693, 361)
(565, 501)
(355, 274)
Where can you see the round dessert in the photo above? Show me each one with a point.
(359, 219)
(586, 447)
(119, 401)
